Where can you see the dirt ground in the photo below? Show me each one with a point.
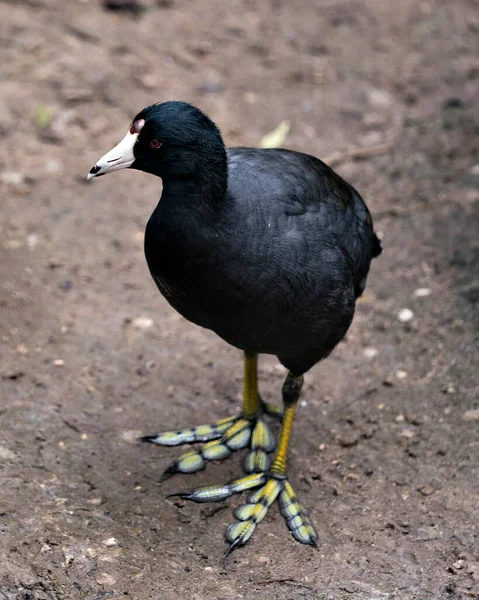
(385, 449)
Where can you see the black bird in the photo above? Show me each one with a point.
(268, 248)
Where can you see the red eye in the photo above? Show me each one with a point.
(155, 144)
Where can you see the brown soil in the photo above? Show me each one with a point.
(385, 453)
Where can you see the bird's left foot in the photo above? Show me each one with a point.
(218, 440)
(257, 504)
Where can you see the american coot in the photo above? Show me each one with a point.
(269, 249)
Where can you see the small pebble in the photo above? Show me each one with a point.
(263, 559)
(94, 501)
(22, 349)
(142, 322)
(405, 315)
(208, 568)
(12, 178)
(58, 362)
(6, 454)
(421, 292)
(399, 419)
(426, 490)
(400, 374)
(370, 352)
(471, 415)
(32, 241)
(105, 579)
(110, 542)
(449, 389)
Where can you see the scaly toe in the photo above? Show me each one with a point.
(191, 435)
(262, 443)
(235, 437)
(216, 493)
(296, 517)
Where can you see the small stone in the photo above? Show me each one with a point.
(370, 352)
(407, 433)
(150, 81)
(32, 241)
(6, 454)
(12, 178)
(142, 322)
(399, 419)
(421, 292)
(22, 349)
(110, 542)
(471, 415)
(58, 362)
(105, 579)
(208, 568)
(405, 315)
(95, 501)
(458, 565)
(400, 374)
(449, 389)
(379, 98)
(348, 438)
(263, 559)
(426, 490)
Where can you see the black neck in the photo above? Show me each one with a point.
(206, 183)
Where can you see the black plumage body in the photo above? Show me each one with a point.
(272, 260)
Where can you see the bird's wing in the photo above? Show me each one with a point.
(305, 199)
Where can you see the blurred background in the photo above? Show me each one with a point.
(92, 356)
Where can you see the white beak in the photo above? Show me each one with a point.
(120, 157)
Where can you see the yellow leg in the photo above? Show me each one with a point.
(251, 404)
(291, 391)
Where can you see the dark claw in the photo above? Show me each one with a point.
(168, 472)
(233, 546)
(182, 495)
(147, 438)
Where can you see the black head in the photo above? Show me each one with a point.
(173, 140)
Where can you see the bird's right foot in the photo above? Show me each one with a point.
(220, 439)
